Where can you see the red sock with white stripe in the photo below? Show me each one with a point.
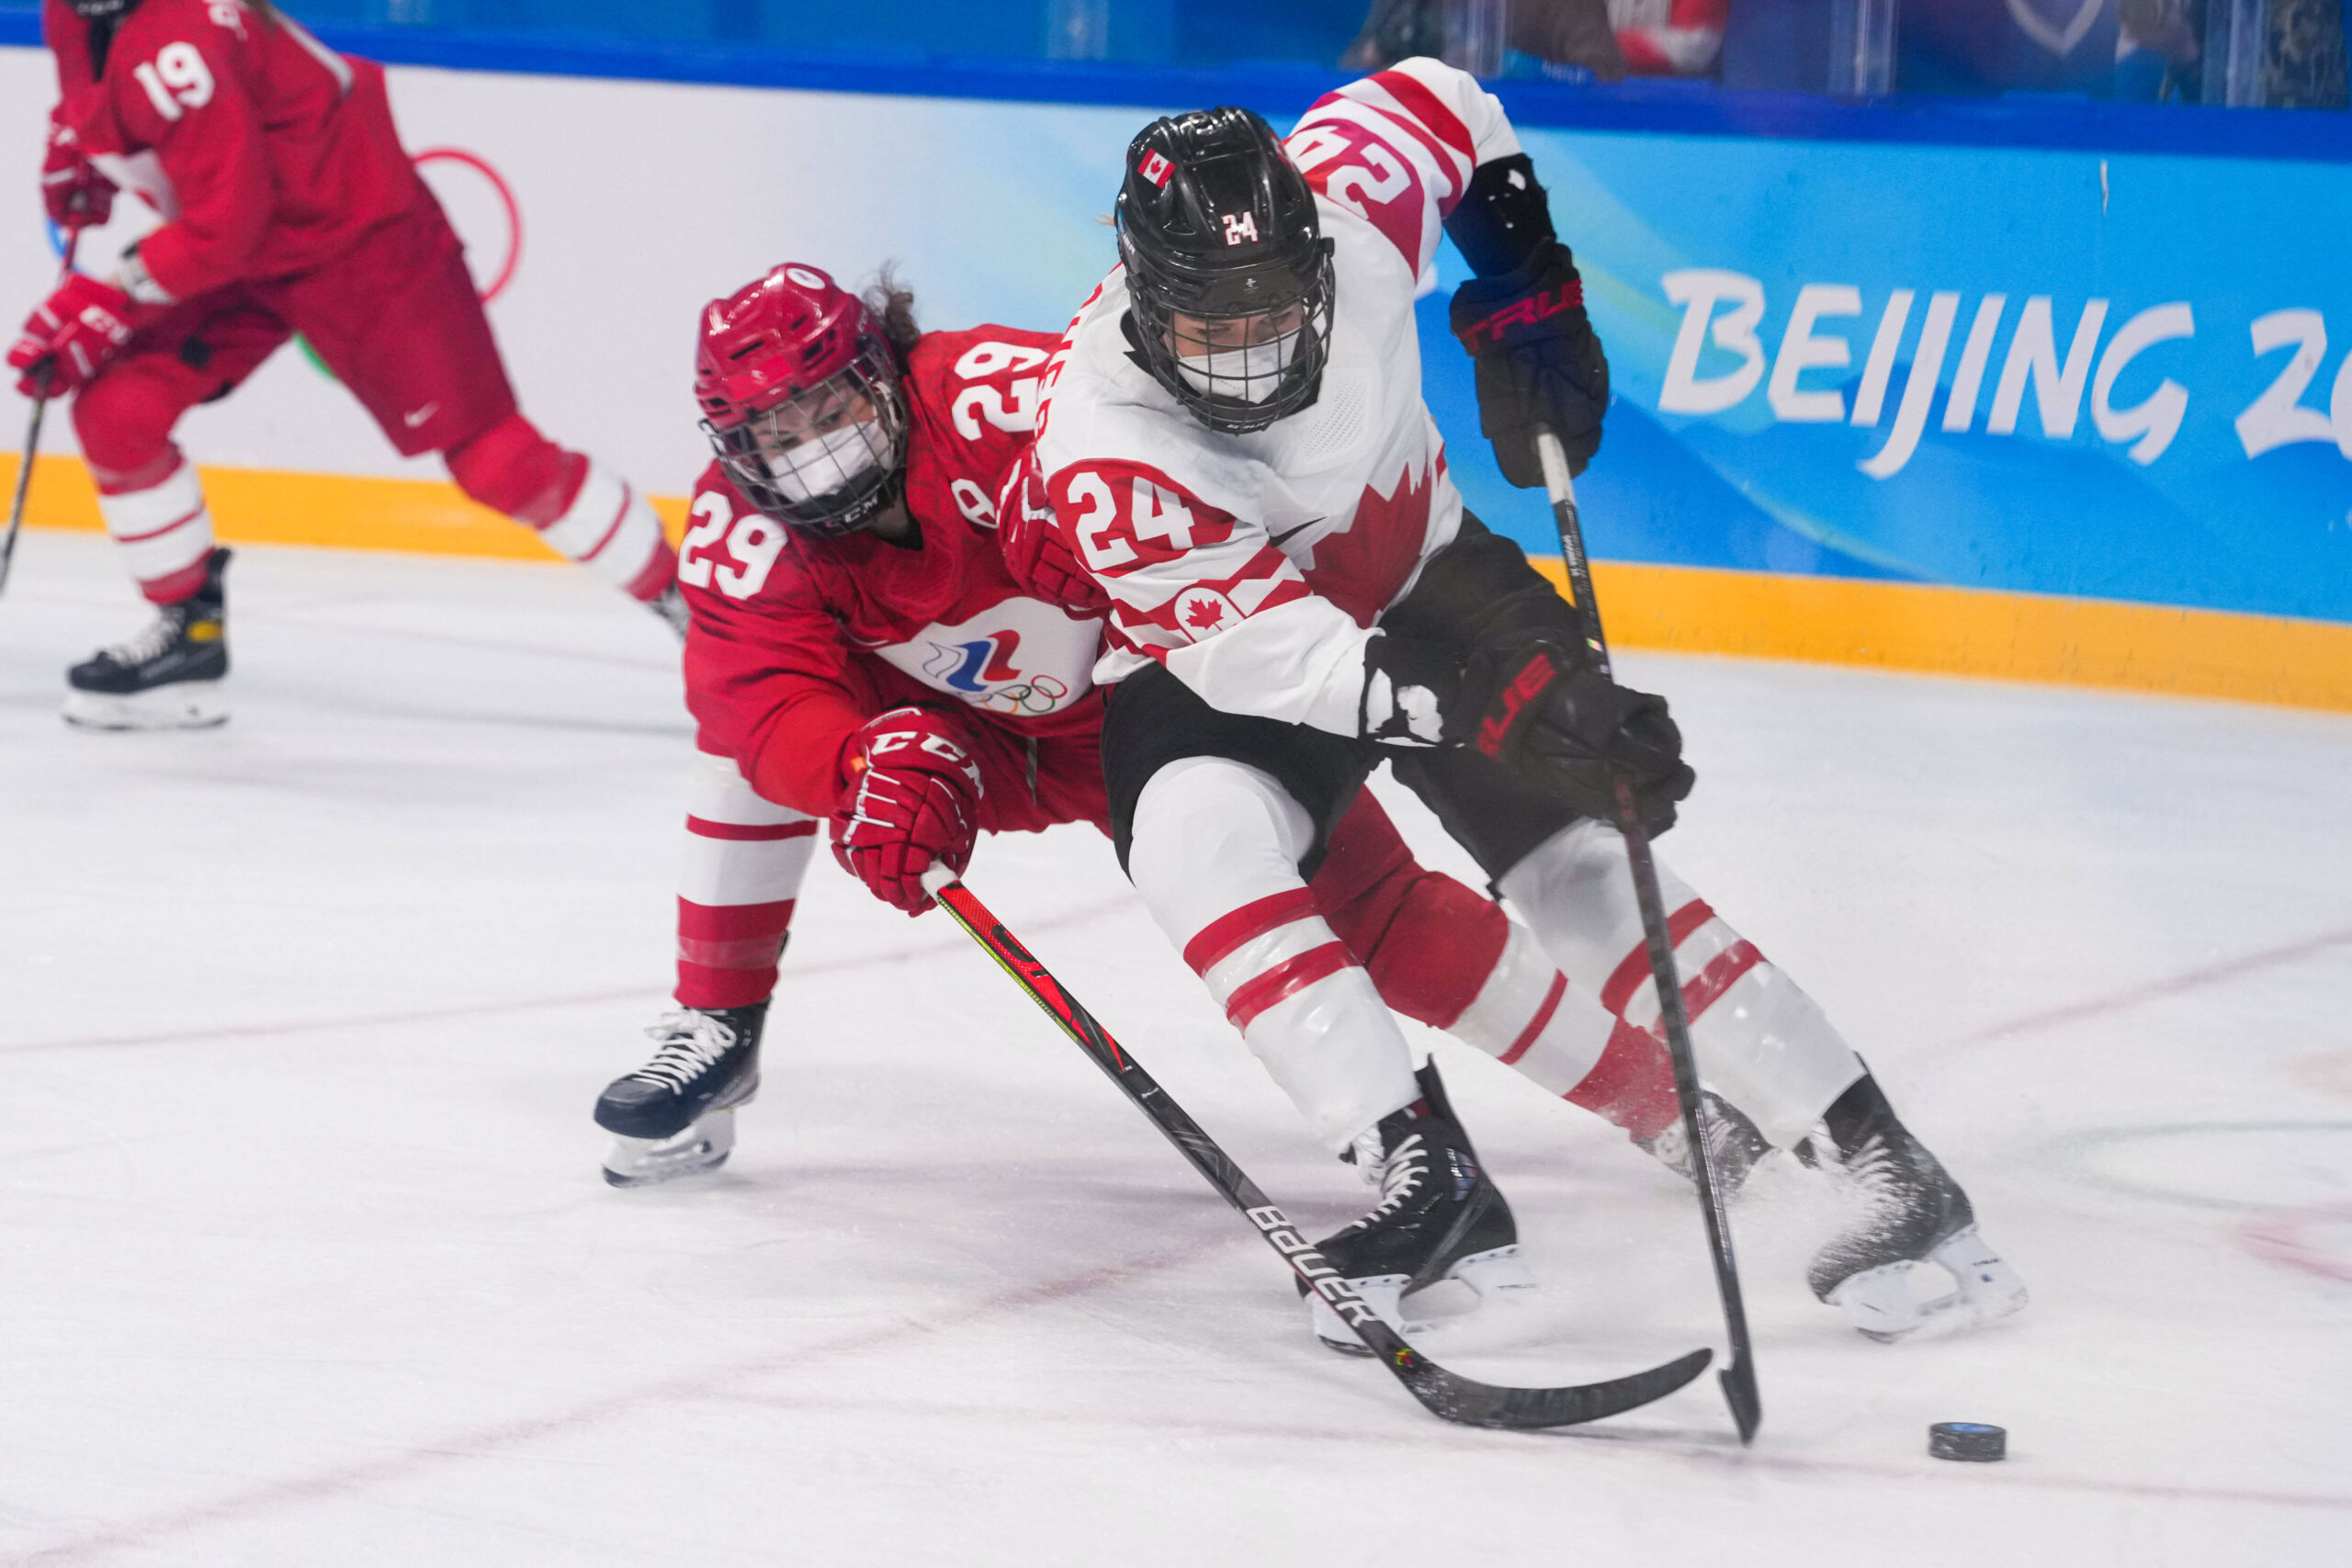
(1761, 1042)
(156, 515)
(1443, 955)
(746, 858)
(586, 513)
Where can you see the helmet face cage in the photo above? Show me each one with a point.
(1228, 272)
(828, 458)
(1239, 351)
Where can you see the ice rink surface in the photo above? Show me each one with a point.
(307, 1261)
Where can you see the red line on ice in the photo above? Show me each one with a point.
(340, 1480)
(1630, 1443)
(1084, 914)
(2193, 980)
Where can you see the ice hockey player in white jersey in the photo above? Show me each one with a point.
(1233, 445)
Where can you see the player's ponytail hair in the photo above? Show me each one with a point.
(892, 304)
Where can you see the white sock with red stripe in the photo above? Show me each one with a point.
(746, 858)
(610, 529)
(1214, 853)
(165, 530)
(1761, 1042)
(1531, 1016)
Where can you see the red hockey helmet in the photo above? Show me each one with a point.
(799, 395)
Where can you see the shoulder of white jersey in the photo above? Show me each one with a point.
(1392, 152)
(1423, 105)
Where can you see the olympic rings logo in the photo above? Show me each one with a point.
(1039, 693)
(505, 194)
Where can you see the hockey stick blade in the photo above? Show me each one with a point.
(1448, 1395)
(1454, 1397)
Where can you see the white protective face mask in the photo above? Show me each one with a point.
(827, 463)
(1251, 375)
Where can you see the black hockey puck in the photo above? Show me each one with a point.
(1967, 1439)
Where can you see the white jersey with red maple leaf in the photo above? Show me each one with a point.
(1254, 567)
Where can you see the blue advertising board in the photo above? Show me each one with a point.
(2045, 371)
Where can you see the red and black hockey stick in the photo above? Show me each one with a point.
(1447, 1394)
(1739, 1377)
(32, 438)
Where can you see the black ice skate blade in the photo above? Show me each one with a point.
(1452, 1397)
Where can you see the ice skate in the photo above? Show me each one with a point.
(676, 1115)
(1439, 1217)
(1732, 1139)
(174, 675)
(1913, 1263)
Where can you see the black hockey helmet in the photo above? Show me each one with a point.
(1218, 228)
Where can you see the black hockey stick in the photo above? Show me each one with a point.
(1738, 1378)
(32, 439)
(1447, 1394)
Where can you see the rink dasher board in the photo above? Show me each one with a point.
(2125, 408)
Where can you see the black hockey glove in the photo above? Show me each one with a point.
(1547, 715)
(1538, 361)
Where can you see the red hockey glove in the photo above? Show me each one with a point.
(76, 194)
(1041, 560)
(912, 800)
(75, 332)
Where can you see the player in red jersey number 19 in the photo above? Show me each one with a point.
(288, 206)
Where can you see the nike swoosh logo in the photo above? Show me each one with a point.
(1292, 533)
(421, 416)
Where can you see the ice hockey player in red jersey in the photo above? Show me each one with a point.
(1232, 446)
(860, 657)
(289, 206)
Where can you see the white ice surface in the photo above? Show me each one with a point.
(307, 1260)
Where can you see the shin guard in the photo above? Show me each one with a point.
(745, 859)
(1216, 853)
(1761, 1042)
(159, 520)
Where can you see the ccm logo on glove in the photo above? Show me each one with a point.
(912, 803)
(935, 747)
(71, 337)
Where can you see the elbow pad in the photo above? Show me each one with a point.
(1504, 219)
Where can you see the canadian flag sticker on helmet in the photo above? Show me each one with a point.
(1155, 168)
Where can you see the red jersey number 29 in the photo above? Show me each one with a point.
(752, 543)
